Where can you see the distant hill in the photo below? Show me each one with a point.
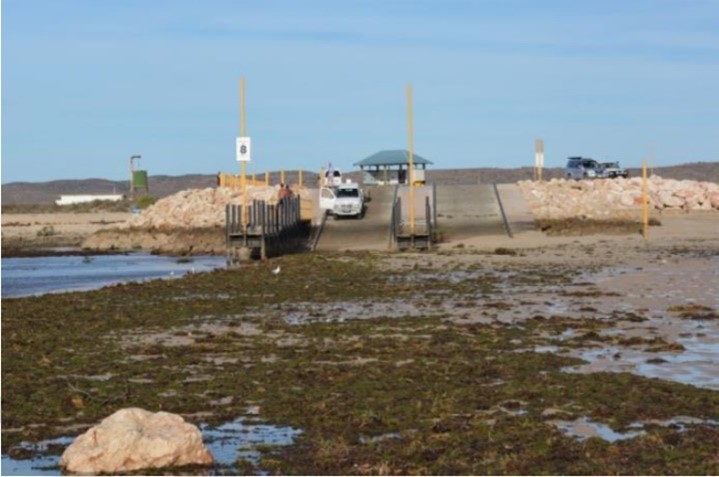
(698, 171)
(161, 185)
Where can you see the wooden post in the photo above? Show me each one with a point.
(410, 140)
(299, 178)
(539, 162)
(645, 201)
(282, 176)
(263, 233)
(267, 179)
(651, 161)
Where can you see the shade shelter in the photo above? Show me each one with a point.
(389, 167)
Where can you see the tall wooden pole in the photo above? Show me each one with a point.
(539, 164)
(645, 201)
(651, 161)
(410, 138)
(243, 164)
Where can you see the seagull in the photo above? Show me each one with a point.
(276, 271)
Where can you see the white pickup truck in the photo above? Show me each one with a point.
(345, 200)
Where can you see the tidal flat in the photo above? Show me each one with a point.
(453, 362)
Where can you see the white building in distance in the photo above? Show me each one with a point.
(81, 198)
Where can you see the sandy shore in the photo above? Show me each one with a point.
(675, 229)
(71, 229)
(54, 230)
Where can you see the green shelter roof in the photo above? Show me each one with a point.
(391, 158)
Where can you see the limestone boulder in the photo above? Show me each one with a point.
(133, 439)
(627, 198)
(669, 200)
(714, 199)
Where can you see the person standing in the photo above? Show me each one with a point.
(282, 193)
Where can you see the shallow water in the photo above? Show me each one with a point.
(584, 428)
(240, 438)
(40, 464)
(40, 275)
(697, 364)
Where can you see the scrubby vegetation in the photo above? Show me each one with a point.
(85, 207)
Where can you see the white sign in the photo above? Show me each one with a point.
(242, 146)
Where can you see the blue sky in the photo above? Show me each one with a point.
(87, 83)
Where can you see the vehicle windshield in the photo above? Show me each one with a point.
(348, 193)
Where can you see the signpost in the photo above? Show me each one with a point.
(243, 148)
(645, 202)
(243, 152)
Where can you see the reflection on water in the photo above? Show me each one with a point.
(238, 440)
(43, 461)
(229, 443)
(39, 275)
(695, 364)
(583, 428)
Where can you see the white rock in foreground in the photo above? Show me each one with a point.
(133, 439)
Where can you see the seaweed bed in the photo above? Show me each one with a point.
(417, 391)
(573, 226)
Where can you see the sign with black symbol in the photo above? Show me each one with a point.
(242, 146)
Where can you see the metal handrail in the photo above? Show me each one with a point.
(501, 211)
(316, 239)
(394, 218)
(428, 215)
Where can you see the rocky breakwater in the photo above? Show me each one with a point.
(188, 222)
(610, 199)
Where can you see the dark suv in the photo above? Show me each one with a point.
(582, 168)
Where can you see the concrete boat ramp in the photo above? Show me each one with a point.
(441, 213)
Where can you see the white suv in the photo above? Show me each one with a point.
(345, 200)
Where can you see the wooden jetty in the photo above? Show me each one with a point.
(266, 230)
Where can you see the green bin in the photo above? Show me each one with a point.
(139, 179)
